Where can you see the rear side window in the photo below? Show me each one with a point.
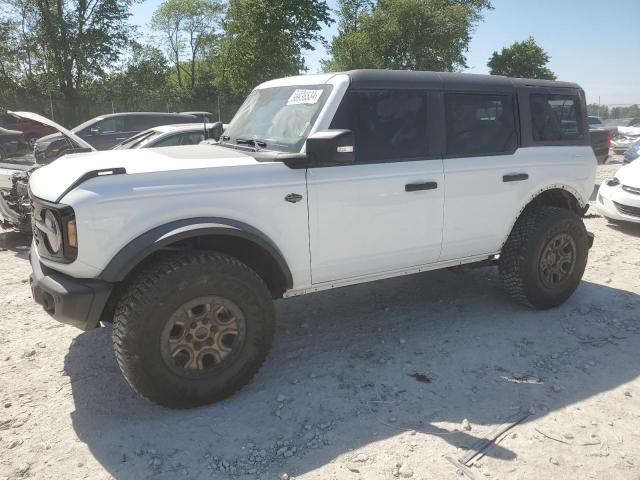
(479, 124)
(555, 117)
(387, 125)
(180, 139)
(110, 125)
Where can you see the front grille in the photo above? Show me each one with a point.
(629, 189)
(627, 210)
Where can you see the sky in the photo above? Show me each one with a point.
(594, 43)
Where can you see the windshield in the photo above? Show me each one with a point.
(278, 118)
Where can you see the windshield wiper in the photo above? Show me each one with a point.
(251, 141)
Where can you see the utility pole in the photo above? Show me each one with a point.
(51, 106)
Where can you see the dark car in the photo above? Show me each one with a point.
(202, 117)
(105, 131)
(31, 130)
(12, 143)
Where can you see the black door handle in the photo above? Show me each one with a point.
(515, 177)
(414, 187)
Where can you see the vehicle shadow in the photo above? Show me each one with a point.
(341, 376)
(17, 242)
(627, 228)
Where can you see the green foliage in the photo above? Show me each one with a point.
(188, 30)
(523, 60)
(605, 112)
(404, 34)
(264, 39)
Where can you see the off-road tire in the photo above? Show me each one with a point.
(152, 297)
(521, 255)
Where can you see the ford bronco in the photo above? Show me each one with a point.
(319, 182)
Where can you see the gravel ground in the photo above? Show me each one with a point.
(367, 382)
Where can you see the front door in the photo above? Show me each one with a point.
(384, 213)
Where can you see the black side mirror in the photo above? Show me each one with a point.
(331, 147)
(215, 131)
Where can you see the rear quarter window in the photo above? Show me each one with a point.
(555, 117)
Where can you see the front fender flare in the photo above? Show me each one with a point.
(155, 239)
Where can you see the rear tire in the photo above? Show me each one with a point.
(544, 258)
(192, 329)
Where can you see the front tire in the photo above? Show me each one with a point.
(544, 258)
(192, 329)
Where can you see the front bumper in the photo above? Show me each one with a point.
(607, 199)
(77, 302)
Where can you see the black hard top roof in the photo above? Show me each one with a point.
(410, 79)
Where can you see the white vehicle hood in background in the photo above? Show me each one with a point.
(630, 174)
(629, 131)
(52, 181)
(44, 120)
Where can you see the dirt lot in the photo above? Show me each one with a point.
(338, 398)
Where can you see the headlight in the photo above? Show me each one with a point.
(51, 230)
(54, 230)
(613, 182)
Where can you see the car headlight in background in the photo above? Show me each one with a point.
(613, 182)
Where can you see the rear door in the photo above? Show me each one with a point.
(384, 212)
(485, 176)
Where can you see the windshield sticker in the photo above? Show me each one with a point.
(300, 96)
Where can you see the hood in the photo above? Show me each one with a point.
(54, 181)
(44, 120)
(5, 131)
(629, 131)
(630, 174)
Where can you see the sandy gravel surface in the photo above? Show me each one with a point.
(341, 395)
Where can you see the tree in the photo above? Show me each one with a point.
(265, 39)
(522, 59)
(63, 45)
(404, 34)
(188, 26)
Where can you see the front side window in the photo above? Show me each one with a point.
(278, 118)
(555, 117)
(479, 124)
(387, 125)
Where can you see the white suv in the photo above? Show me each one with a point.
(319, 182)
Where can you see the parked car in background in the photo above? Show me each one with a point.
(202, 117)
(167, 136)
(619, 197)
(105, 131)
(595, 122)
(31, 130)
(12, 143)
(623, 142)
(632, 153)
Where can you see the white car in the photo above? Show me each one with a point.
(168, 136)
(619, 197)
(318, 182)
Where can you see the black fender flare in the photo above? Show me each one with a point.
(155, 239)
